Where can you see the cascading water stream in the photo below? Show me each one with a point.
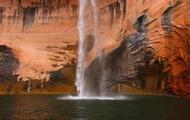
(88, 24)
(82, 26)
(80, 64)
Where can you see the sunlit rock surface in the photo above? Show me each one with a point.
(153, 52)
(145, 43)
(42, 34)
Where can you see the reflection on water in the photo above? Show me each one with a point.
(51, 108)
(35, 107)
(22, 107)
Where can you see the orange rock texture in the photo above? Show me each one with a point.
(152, 47)
(42, 34)
(145, 43)
(166, 24)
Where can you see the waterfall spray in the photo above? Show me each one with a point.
(81, 82)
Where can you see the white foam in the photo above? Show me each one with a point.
(93, 98)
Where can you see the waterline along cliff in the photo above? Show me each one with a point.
(121, 46)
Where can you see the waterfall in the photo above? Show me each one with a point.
(81, 81)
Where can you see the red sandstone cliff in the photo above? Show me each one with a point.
(146, 42)
(166, 24)
(42, 33)
(152, 48)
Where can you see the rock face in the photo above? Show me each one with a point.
(8, 63)
(145, 43)
(41, 33)
(153, 52)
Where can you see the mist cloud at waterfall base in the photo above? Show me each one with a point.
(117, 97)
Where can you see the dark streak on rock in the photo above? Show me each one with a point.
(141, 23)
(166, 18)
(118, 8)
(111, 9)
(28, 17)
(58, 4)
(1, 14)
(46, 8)
(124, 8)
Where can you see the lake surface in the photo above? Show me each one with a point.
(48, 107)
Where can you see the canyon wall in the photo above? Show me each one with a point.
(41, 33)
(43, 37)
(38, 40)
(152, 53)
(145, 43)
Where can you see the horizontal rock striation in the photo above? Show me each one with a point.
(41, 33)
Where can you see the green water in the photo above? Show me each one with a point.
(135, 108)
